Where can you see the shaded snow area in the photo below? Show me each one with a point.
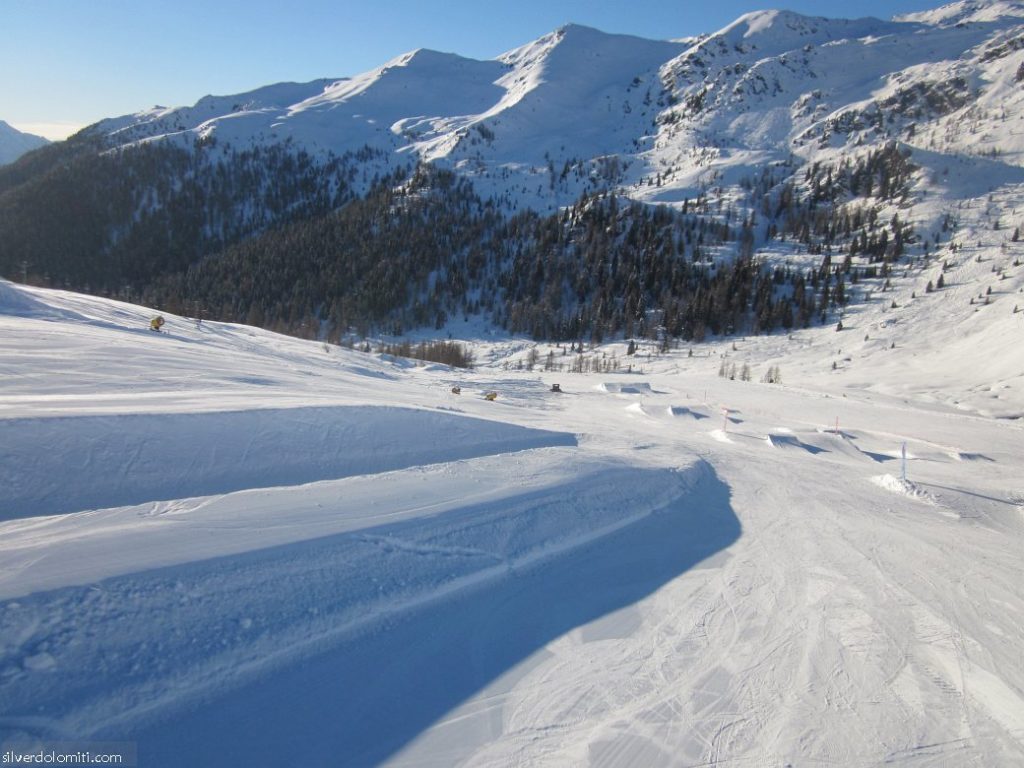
(236, 548)
(103, 461)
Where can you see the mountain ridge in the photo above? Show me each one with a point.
(15, 143)
(578, 94)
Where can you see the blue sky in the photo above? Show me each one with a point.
(70, 62)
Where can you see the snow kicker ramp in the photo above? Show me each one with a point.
(59, 465)
(626, 388)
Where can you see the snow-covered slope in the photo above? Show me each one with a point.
(14, 143)
(220, 541)
(968, 11)
(284, 552)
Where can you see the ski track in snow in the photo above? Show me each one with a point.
(265, 550)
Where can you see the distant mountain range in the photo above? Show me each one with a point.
(782, 134)
(771, 84)
(15, 143)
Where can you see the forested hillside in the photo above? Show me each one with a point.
(416, 252)
(270, 238)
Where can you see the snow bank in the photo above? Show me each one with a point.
(59, 465)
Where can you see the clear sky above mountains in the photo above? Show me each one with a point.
(67, 63)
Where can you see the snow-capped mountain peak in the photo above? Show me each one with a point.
(968, 11)
(772, 80)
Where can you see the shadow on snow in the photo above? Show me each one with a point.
(364, 699)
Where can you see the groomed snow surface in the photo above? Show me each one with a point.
(236, 548)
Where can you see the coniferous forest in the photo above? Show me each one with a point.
(324, 248)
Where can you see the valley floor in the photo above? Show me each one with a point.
(239, 549)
